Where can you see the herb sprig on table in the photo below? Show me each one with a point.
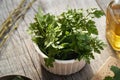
(70, 35)
(116, 76)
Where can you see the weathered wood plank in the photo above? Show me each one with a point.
(19, 58)
(18, 55)
(6, 7)
(103, 4)
(105, 69)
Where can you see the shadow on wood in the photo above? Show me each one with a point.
(84, 74)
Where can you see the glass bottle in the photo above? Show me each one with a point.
(113, 24)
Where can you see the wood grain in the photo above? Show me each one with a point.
(103, 4)
(18, 55)
(105, 69)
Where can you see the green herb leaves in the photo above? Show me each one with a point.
(116, 76)
(71, 35)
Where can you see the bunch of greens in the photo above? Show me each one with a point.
(116, 76)
(70, 35)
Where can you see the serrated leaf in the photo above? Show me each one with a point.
(116, 72)
(108, 78)
(98, 13)
(49, 62)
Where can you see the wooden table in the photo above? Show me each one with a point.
(18, 55)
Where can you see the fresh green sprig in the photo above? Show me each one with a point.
(116, 71)
(71, 35)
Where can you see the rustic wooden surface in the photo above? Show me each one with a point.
(105, 69)
(103, 4)
(18, 55)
